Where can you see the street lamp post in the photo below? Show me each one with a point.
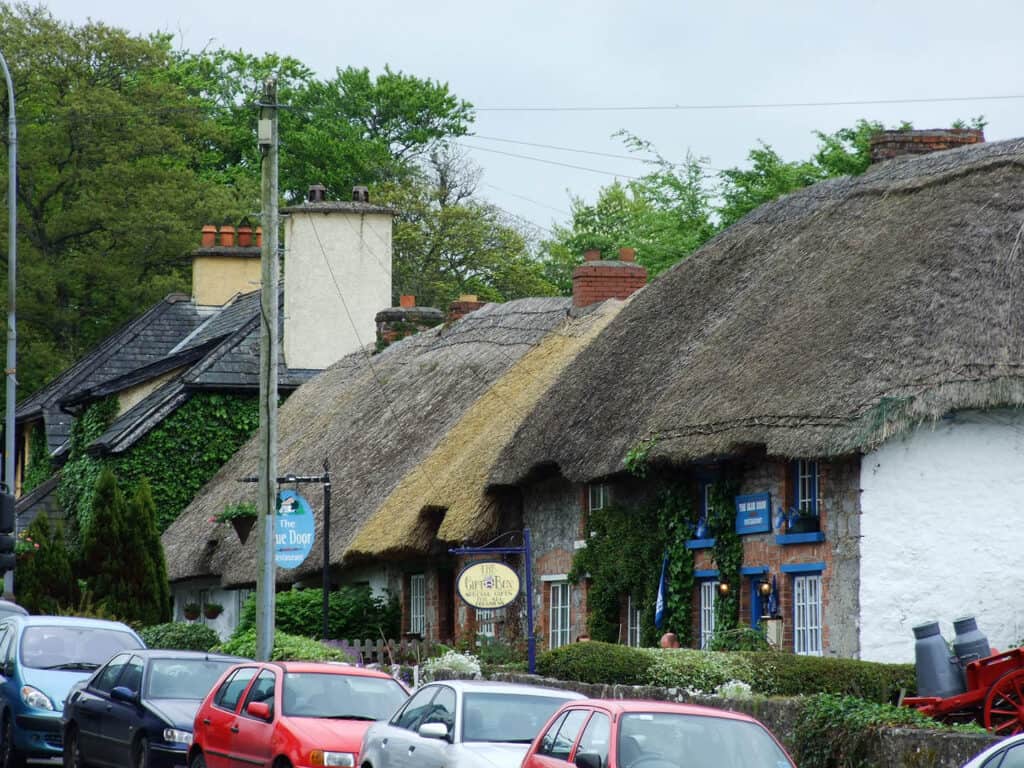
(12, 272)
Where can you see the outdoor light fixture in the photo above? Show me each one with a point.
(764, 588)
(723, 588)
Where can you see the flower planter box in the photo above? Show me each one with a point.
(804, 524)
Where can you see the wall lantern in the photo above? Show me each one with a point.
(764, 588)
(723, 588)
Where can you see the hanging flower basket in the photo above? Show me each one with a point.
(191, 611)
(241, 516)
(212, 610)
(243, 526)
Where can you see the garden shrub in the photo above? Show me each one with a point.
(179, 636)
(286, 648)
(451, 664)
(785, 674)
(702, 671)
(596, 662)
(353, 614)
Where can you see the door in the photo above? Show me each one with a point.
(426, 752)
(389, 747)
(119, 726)
(91, 709)
(214, 723)
(252, 742)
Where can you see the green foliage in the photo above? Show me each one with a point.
(45, 583)
(676, 522)
(143, 565)
(834, 731)
(179, 636)
(698, 670)
(39, 465)
(232, 511)
(286, 648)
(739, 639)
(354, 613)
(596, 662)
(785, 674)
(101, 552)
(636, 457)
(727, 553)
(80, 473)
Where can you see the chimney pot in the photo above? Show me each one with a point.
(259, 237)
(360, 193)
(227, 236)
(627, 254)
(406, 301)
(244, 236)
(209, 236)
(317, 193)
(592, 255)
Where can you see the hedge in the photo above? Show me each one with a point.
(768, 673)
(179, 636)
(286, 648)
(354, 613)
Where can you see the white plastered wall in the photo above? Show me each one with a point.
(942, 535)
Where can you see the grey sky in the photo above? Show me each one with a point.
(606, 53)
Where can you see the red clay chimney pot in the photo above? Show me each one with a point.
(592, 255)
(227, 236)
(244, 236)
(407, 302)
(627, 254)
(259, 237)
(209, 236)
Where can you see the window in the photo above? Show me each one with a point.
(558, 743)
(600, 496)
(418, 603)
(105, 681)
(410, 715)
(559, 617)
(807, 615)
(262, 691)
(707, 612)
(442, 709)
(632, 622)
(805, 496)
(231, 689)
(596, 736)
(204, 598)
(487, 619)
(131, 678)
(243, 596)
(1009, 758)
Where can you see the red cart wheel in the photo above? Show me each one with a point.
(1004, 704)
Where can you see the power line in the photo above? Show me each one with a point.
(530, 200)
(766, 105)
(634, 158)
(550, 162)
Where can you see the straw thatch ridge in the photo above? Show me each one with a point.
(375, 419)
(819, 325)
(451, 483)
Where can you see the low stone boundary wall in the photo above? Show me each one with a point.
(894, 748)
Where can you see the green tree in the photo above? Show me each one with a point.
(44, 577)
(144, 568)
(103, 550)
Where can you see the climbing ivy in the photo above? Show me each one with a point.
(727, 552)
(677, 522)
(81, 471)
(180, 455)
(39, 466)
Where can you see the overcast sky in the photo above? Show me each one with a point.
(603, 53)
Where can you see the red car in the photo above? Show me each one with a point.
(602, 733)
(297, 714)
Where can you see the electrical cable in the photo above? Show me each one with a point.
(549, 162)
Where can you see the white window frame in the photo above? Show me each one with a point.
(808, 485)
(558, 623)
(487, 620)
(632, 622)
(418, 603)
(600, 496)
(807, 622)
(708, 591)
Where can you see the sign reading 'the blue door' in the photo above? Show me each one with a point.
(754, 513)
(294, 531)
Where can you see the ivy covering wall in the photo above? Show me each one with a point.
(39, 466)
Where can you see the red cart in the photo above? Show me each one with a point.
(994, 696)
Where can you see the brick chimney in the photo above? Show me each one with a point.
(462, 306)
(395, 323)
(890, 144)
(595, 280)
(223, 266)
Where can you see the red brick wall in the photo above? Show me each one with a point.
(890, 144)
(596, 281)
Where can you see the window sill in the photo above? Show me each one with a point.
(784, 539)
(700, 543)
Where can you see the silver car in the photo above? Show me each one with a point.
(462, 724)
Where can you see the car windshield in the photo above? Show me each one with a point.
(73, 647)
(183, 678)
(337, 695)
(666, 740)
(508, 717)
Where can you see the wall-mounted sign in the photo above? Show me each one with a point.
(294, 531)
(754, 513)
(488, 585)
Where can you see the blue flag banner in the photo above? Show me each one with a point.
(659, 605)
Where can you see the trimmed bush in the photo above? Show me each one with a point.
(784, 674)
(596, 662)
(702, 671)
(286, 648)
(353, 614)
(179, 636)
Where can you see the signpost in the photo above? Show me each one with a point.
(294, 531)
(481, 585)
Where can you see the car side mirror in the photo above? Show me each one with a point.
(588, 760)
(434, 731)
(121, 693)
(259, 709)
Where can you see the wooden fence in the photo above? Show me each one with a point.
(382, 651)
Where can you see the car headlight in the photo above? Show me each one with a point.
(319, 757)
(173, 735)
(33, 697)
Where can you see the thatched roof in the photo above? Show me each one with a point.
(819, 325)
(378, 419)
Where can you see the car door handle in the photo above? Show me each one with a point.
(233, 729)
(383, 743)
(412, 748)
(206, 721)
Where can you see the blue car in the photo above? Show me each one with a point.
(139, 708)
(41, 658)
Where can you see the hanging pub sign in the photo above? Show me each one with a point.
(488, 585)
(294, 531)
(754, 513)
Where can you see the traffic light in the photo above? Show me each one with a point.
(7, 558)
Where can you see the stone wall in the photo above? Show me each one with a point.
(892, 748)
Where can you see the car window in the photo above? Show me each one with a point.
(596, 736)
(5, 643)
(1011, 758)
(417, 706)
(442, 709)
(131, 677)
(85, 647)
(230, 690)
(560, 745)
(262, 690)
(509, 717)
(184, 678)
(107, 678)
(547, 742)
(332, 694)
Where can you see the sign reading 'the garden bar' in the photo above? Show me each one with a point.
(488, 585)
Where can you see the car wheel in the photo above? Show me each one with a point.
(140, 755)
(10, 757)
(198, 761)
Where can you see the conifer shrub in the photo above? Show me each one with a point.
(45, 584)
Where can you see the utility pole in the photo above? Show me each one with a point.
(12, 273)
(270, 269)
